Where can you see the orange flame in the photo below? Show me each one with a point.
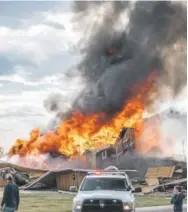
(82, 132)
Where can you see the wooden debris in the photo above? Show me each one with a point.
(163, 178)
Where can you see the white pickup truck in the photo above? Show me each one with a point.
(105, 192)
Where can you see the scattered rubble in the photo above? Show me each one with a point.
(21, 175)
(156, 180)
(163, 179)
(20, 178)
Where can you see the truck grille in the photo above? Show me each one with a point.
(102, 205)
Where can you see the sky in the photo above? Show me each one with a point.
(36, 46)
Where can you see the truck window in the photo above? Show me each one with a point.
(91, 184)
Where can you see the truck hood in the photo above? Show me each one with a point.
(124, 196)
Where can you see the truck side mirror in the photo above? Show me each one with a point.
(73, 189)
(129, 188)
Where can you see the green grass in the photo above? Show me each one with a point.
(45, 202)
(147, 200)
(55, 202)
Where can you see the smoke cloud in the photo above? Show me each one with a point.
(45, 162)
(122, 43)
(146, 37)
(171, 128)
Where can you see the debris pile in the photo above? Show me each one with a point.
(156, 180)
(20, 178)
(21, 175)
(162, 179)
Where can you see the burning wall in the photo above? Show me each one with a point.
(128, 52)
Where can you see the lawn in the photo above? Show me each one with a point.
(55, 202)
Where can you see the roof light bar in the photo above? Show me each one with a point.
(106, 173)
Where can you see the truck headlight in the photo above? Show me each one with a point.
(77, 204)
(128, 206)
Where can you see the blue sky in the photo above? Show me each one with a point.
(35, 55)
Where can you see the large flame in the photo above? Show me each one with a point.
(82, 132)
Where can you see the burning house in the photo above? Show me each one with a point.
(124, 67)
(125, 152)
(125, 142)
(122, 150)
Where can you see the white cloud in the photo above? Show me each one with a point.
(40, 43)
(55, 80)
(35, 36)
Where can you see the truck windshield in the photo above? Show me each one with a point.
(91, 184)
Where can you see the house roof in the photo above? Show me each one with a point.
(4, 164)
(49, 178)
(170, 112)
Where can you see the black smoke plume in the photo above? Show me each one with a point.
(123, 43)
